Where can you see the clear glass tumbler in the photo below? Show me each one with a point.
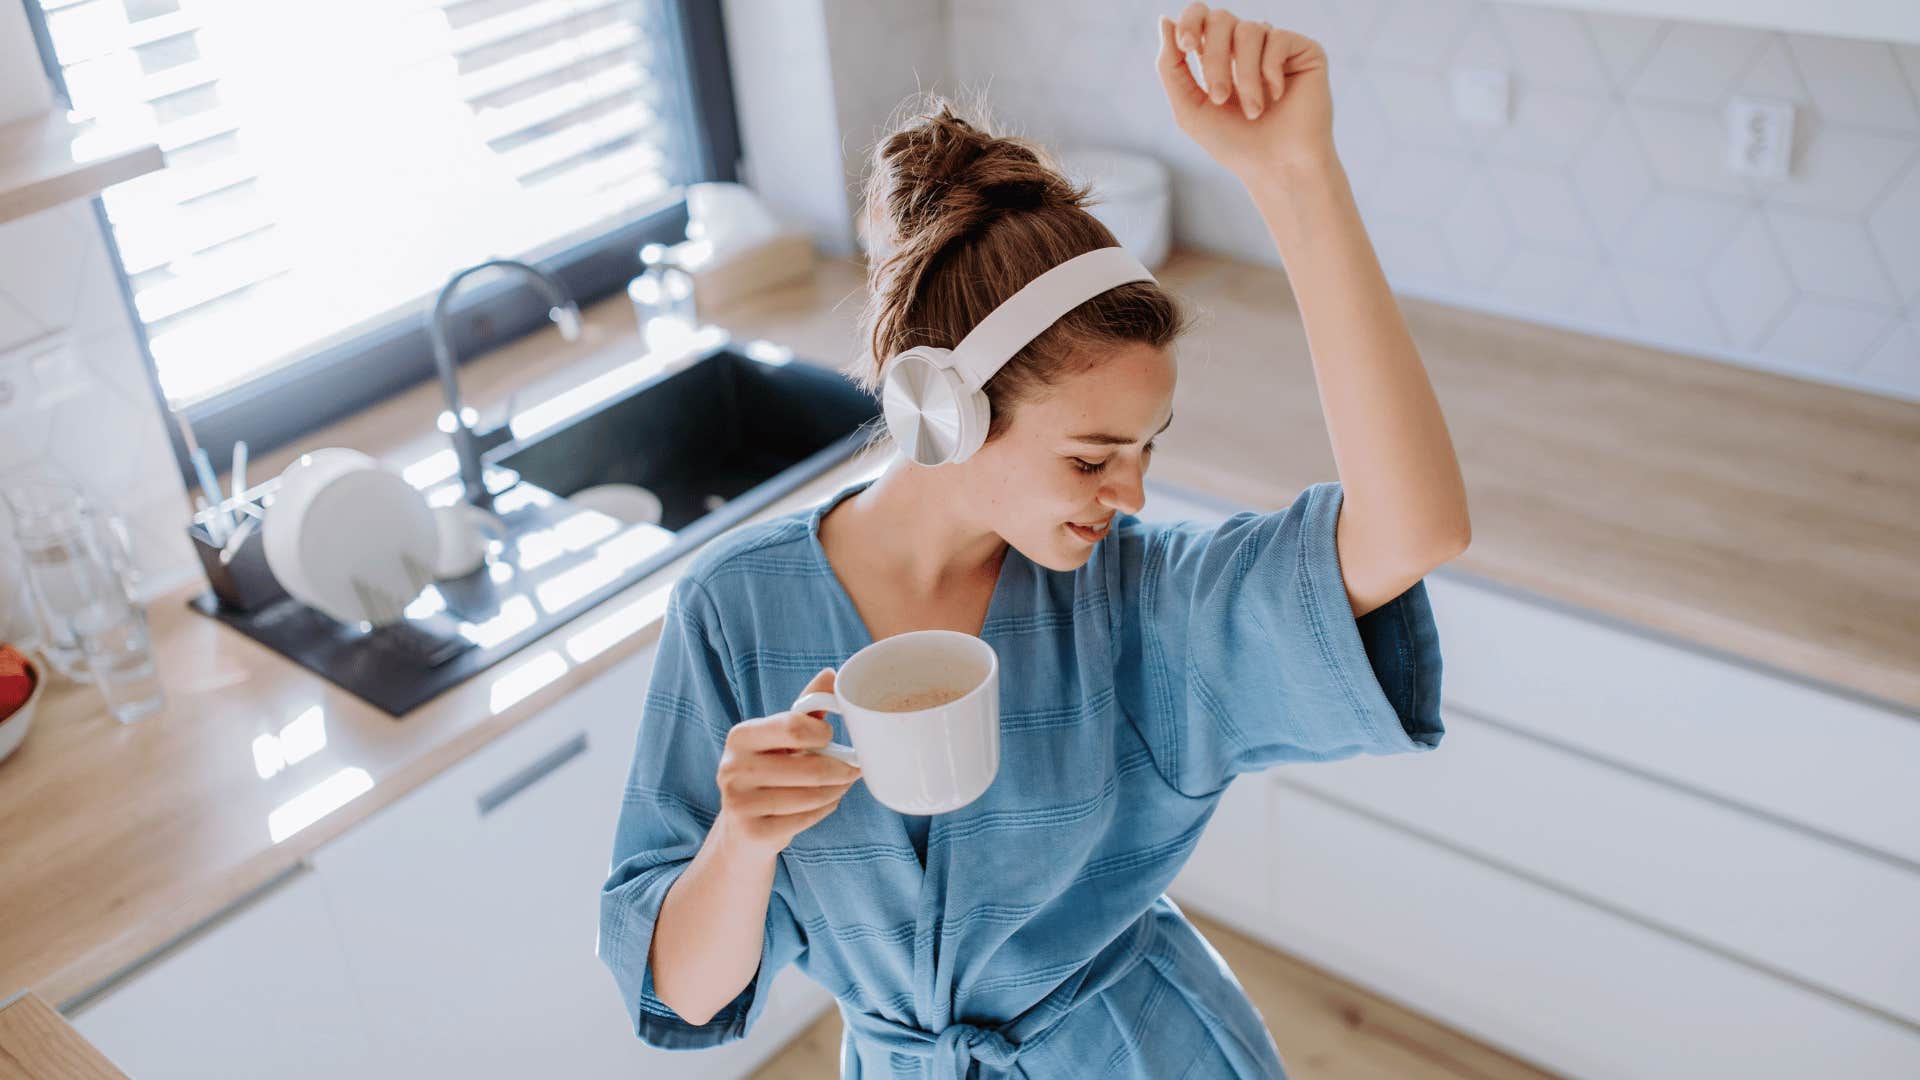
(119, 653)
(79, 573)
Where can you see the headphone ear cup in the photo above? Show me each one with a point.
(926, 407)
(978, 413)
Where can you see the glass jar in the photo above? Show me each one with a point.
(662, 299)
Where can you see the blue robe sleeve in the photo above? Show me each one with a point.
(670, 802)
(1237, 648)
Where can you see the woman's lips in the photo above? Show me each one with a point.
(1091, 536)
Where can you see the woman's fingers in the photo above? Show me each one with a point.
(1273, 64)
(795, 770)
(1175, 75)
(1249, 37)
(1193, 19)
(775, 801)
(1216, 54)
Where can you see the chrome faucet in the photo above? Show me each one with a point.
(456, 421)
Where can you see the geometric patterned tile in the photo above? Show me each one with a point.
(1696, 63)
(1544, 283)
(1679, 230)
(1359, 125)
(1895, 227)
(1412, 254)
(1623, 42)
(1485, 47)
(1841, 171)
(1908, 57)
(1896, 362)
(1548, 127)
(1612, 176)
(1419, 109)
(1544, 210)
(45, 251)
(1552, 48)
(1772, 74)
(1825, 335)
(1831, 257)
(15, 325)
(1418, 183)
(1686, 146)
(1601, 303)
(1670, 305)
(1749, 284)
(1422, 34)
(1855, 82)
(1477, 232)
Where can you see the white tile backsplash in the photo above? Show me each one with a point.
(1855, 82)
(95, 422)
(1604, 205)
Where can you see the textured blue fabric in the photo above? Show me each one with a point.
(1036, 940)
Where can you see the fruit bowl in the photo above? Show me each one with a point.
(13, 727)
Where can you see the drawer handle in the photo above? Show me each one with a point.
(492, 798)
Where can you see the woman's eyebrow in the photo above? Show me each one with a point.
(1106, 439)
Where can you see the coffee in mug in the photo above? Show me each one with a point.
(923, 712)
(915, 700)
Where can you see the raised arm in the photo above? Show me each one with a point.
(1267, 117)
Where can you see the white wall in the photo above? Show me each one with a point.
(1602, 206)
(94, 422)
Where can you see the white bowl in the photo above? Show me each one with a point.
(14, 728)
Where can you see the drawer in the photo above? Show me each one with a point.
(1769, 744)
(1557, 981)
(1787, 904)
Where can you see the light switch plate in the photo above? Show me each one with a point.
(1759, 137)
(1481, 96)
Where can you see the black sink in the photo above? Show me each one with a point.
(729, 431)
(717, 439)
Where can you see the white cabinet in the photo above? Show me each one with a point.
(1630, 857)
(450, 934)
(261, 991)
(469, 911)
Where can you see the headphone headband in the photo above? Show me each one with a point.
(1039, 304)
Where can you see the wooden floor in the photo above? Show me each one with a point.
(1326, 1029)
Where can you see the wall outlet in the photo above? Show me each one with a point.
(1480, 96)
(1759, 137)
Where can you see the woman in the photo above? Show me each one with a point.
(1143, 666)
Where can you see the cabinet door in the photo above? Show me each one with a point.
(262, 991)
(470, 909)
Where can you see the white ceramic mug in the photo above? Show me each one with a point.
(925, 760)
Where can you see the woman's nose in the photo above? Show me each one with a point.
(1127, 491)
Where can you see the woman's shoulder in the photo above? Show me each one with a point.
(777, 545)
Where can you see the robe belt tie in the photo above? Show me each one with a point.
(952, 1051)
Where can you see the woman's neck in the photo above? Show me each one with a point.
(911, 525)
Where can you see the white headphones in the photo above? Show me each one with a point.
(932, 397)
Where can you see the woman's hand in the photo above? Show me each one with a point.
(771, 789)
(1269, 106)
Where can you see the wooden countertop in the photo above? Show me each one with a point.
(36, 1042)
(1762, 516)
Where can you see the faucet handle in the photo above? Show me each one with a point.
(567, 317)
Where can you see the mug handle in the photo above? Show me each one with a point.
(826, 701)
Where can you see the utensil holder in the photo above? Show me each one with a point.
(243, 583)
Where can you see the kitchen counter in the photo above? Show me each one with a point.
(1760, 516)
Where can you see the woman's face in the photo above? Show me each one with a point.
(1076, 456)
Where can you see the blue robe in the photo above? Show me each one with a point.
(1037, 940)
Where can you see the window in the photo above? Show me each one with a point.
(330, 164)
